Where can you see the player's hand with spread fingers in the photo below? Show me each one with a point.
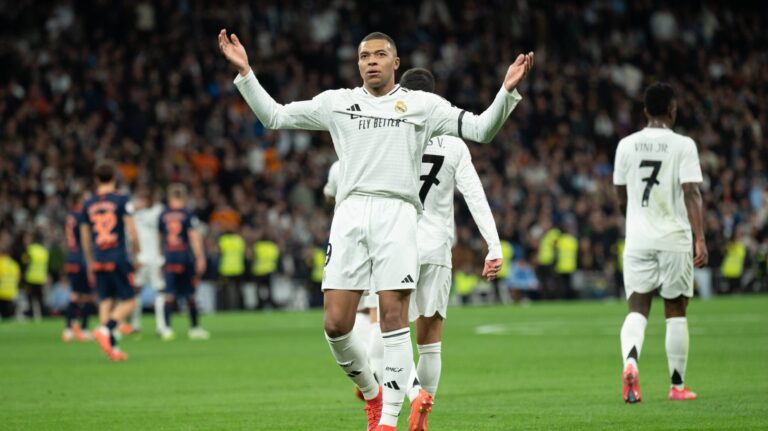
(491, 268)
(234, 52)
(518, 70)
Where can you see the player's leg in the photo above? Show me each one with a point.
(677, 288)
(196, 332)
(641, 278)
(70, 316)
(157, 278)
(87, 308)
(395, 271)
(340, 307)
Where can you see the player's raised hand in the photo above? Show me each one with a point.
(491, 268)
(701, 256)
(234, 51)
(518, 70)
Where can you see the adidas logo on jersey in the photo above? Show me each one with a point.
(407, 279)
(392, 385)
(354, 108)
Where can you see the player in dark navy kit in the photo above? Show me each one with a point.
(182, 248)
(106, 221)
(81, 299)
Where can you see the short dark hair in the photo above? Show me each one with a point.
(658, 97)
(105, 171)
(377, 35)
(418, 79)
(177, 191)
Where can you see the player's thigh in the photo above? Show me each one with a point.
(432, 293)
(347, 263)
(393, 246)
(123, 279)
(641, 271)
(676, 273)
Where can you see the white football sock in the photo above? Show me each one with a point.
(350, 355)
(677, 342)
(632, 336)
(160, 312)
(430, 366)
(363, 327)
(376, 351)
(398, 360)
(136, 318)
(414, 385)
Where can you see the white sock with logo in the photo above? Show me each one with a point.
(632, 336)
(350, 355)
(677, 342)
(398, 361)
(430, 366)
(376, 351)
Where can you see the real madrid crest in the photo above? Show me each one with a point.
(400, 107)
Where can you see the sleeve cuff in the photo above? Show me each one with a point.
(240, 78)
(514, 94)
(494, 252)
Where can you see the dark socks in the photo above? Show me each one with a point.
(71, 313)
(193, 314)
(85, 312)
(111, 326)
(168, 311)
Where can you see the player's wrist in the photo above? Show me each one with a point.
(244, 70)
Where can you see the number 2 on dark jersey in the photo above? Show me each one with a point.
(431, 178)
(651, 180)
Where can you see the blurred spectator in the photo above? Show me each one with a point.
(10, 274)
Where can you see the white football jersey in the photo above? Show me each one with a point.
(333, 181)
(446, 164)
(379, 140)
(654, 163)
(147, 220)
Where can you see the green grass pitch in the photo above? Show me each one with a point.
(544, 367)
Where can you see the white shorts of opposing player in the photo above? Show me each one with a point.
(432, 293)
(150, 274)
(372, 245)
(669, 271)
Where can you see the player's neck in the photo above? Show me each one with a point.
(105, 188)
(659, 123)
(381, 91)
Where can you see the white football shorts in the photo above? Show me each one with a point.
(150, 274)
(669, 271)
(372, 245)
(432, 293)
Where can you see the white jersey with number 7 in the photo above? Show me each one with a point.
(653, 164)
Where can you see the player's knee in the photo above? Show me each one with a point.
(336, 327)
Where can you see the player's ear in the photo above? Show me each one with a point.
(397, 62)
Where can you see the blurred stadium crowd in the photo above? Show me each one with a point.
(142, 83)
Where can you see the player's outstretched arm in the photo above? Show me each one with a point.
(468, 183)
(135, 248)
(306, 115)
(449, 120)
(695, 208)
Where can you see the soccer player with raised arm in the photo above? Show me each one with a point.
(184, 259)
(657, 176)
(106, 219)
(446, 164)
(379, 131)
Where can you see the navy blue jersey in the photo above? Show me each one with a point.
(174, 227)
(104, 216)
(72, 235)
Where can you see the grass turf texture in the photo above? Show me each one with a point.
(548, 366)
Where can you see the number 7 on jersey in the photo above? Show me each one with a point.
(651, 180)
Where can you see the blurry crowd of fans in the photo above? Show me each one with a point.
(143, 83)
